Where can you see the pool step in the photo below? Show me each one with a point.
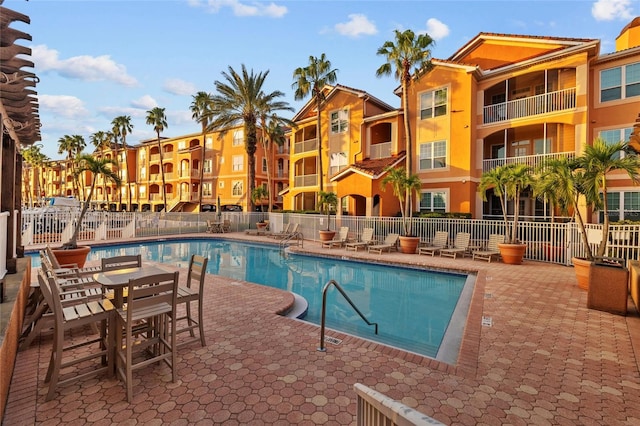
(299, 308)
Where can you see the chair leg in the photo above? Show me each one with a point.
(53, 372)
(189, 319)
(128, 361)
(174, 349)
(201, 323)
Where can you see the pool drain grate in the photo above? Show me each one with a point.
(487, 321)
(332, 340)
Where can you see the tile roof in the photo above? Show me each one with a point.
(373, 167)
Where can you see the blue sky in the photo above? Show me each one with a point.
(98, 59)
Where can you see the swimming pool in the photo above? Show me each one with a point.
(414, 308)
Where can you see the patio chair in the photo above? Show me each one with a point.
(286, 230)
(366, 239)
(339, 240)
(74, 316)
(491, 250)
(390, 243)
(438, 243)
(292, 230)
(121, 262)
(152, 301)
(460, 246)
(226, 226)
(193, 291)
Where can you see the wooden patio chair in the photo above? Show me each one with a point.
(66, 318)
(366, 239)
(339, 240)
(193, 291)
(460, 246)
(121, 262)
(70, 268)
(390, 243)
(438, 243)
(152, 301)
(491, 251)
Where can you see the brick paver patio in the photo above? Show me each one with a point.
(544, 359)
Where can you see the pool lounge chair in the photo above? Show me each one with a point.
(438, 243)
(491, 251)
(287, 233)
(286, 230)
(366, 239)
(389, 243)
(460, 246)
(339, 240)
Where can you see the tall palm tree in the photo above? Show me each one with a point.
(72, 146)
(311, 80)
(101, 140)
(34, 156)
(407, 52)
(403, 185)
(157, 118)
(97, 167)
(272, 134)
(201, 110)
(598, 161)
(240, 99)
(121, 127)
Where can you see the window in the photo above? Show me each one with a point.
(337, 162)
(542, 146)
(520, 148)
(264, 165)
(238, 161)
(208, 142)
(221, 184)
(620, 82)
(206, 189)
(143, 172)
(142, 190)
(182, 145)
(433, 155)
(238, 138)
(433, 202)
(237, 188)
(339, 121)
(208, 166)
(616, 135)
(433, 104)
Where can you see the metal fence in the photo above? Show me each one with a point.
(547, 242)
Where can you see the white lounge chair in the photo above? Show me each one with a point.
(389, 243)
(460, 246)
(438, 243)
(366, 239)
(491, 250)
(339, 240)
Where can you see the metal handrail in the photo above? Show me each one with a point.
(294, 235)
(324, 308)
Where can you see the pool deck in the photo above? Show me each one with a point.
(532, 353)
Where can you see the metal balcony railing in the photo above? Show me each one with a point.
(534, 161)
(380, 150)
(529, 106)
(305, 146)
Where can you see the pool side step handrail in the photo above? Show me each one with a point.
(322, 348)
(297, 236)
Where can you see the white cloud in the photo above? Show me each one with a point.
(608, 10)
(357, 25)
(62, 106)
(179, 87)
(84, 67)
(254, 8)
(146, 103)
(436, 29)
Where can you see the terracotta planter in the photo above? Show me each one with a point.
(327, 235)
(76, 256)
(512, 254)
(608, 288)
(409, 244)
(581, 268)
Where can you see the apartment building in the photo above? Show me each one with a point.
(499, 99)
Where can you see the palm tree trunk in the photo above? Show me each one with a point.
(251, 151)
(164, 189)
(202, 160)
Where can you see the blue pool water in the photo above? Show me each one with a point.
(413, 308)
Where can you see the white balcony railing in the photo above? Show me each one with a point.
(306, 146)
(380, 150)
(306, 180)
(533, 161)
(533, 105)
(336, 169)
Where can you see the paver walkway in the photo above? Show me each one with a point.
(544, 359)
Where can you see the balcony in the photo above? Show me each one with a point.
(530, 106)
(306, 146)
(380, 150)
(154, 157)
(337, 169)
(306, 180)
(532, 161)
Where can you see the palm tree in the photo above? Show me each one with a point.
(311, 80)
(240, 100)
(200, 112)
(409, 51)
(326, 200)
(597, 162)
(97, 167)
(272, 134)
(157, 118)
(121, 127)
(36, 159)
(507, 182)
(403, 185)
(72, 146)
(101, 140)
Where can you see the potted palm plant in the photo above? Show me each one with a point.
(259, 194)
(327, 201)
(404, 186)
(507, 182)
(70, 252)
